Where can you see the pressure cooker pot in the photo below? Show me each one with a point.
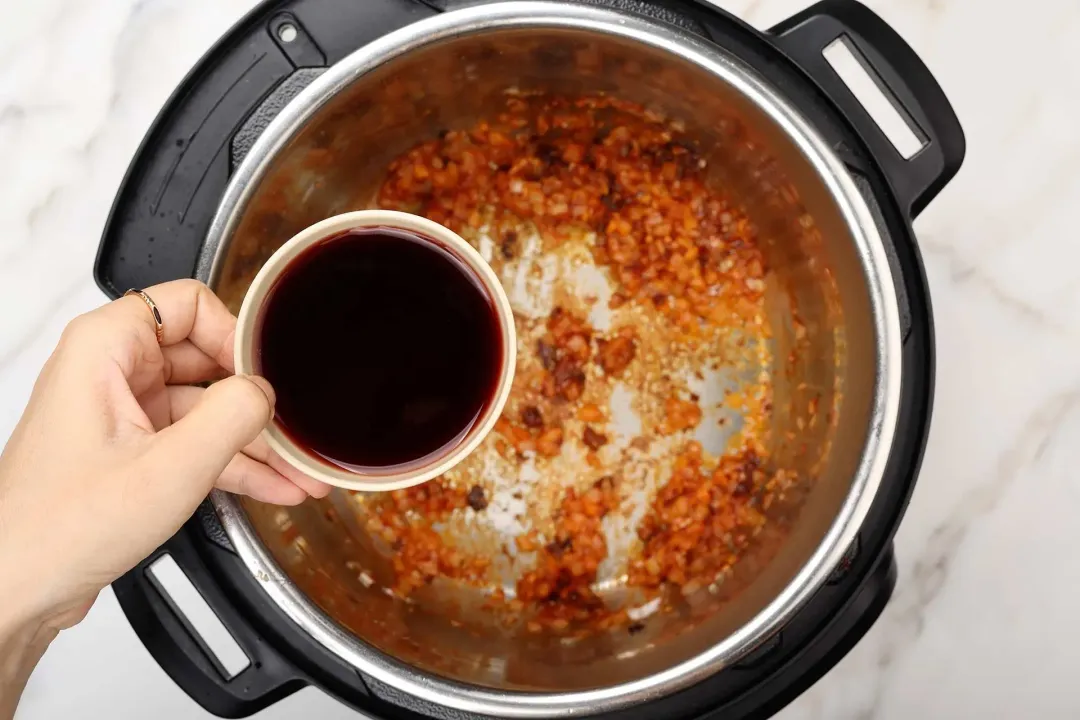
(781, 326)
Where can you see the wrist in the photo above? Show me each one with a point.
(25, 633)
(23, 640)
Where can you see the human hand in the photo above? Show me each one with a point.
(116, 450)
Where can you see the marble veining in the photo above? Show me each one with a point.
(984, 616)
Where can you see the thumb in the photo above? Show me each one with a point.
(229, 415)
(173, 473)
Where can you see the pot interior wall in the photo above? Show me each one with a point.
(336, 163)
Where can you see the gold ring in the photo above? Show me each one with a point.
(159, 326)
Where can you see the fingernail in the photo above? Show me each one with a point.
(268, 390)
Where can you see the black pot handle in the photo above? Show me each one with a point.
(168, 198)
(179, 649)
(804, 37)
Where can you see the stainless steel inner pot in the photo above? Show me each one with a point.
(326, 153)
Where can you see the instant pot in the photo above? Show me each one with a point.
(291, 117)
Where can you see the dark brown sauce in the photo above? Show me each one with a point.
(383, 347)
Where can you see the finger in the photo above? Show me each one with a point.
(247, 476)
(261, 451)
(184, 398)
(198, 447)
(189, 311)
(185, 363)
(157, 405)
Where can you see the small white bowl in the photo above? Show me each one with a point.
(246, 351)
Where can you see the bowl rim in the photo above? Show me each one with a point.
(245, 348)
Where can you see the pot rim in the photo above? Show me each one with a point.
(440, 691)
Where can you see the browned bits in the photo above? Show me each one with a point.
(570, 333)
(420, 554)
(681, 414)
(696, 526)
(606, 485)
(592, 439)
(433, 498)
(564, 353)
(590, 413)
(605, 165)
(556, 548)
(547, 354)
(675, 249)
(520, 438)
(527, 542)
(550, 442)
(531, 417)
(567, 381)
(566, 568)
(508, 246)
(476, 498)
(614, 355)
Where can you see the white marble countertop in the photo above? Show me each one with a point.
(983, 622)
